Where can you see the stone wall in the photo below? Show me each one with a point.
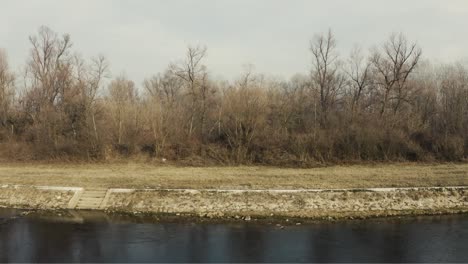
(292, 203)
(260, 203)
(34, 197)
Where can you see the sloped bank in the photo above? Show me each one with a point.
(36, 197)
(293, 203)
(260, 203)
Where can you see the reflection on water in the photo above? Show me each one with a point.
(110, 239)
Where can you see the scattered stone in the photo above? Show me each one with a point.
(369, 202)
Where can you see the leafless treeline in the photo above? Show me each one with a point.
(382, 104)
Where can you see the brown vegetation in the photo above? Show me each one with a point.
(144, 175)
(388, 105)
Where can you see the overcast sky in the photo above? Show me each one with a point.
(140, 38)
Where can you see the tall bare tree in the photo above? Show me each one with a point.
(7, 81)
(359, 75)
(453, 96)
(165, 103)
(89, 79)
(326, 75)
(393, 64)
(49, 75)
(123, 98)
(50, 65)
(195, 76)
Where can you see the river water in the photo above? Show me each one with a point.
(94, 237)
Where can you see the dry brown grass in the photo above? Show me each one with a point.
(139, 175)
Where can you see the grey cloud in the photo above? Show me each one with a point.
(142, 37)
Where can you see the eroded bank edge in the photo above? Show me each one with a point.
(308, 203)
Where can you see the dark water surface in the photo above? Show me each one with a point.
(109, 238)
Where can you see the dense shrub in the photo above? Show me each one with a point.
(368, 107)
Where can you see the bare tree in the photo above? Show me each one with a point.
(393, 63)
(195, 76)
(7, 81)
(453, 96)
(326, 75)
(359, 76)
(89, 80)
(49, 77)
(244, 114)
(50, 65)
(166, 87)
(165, 103)
(123, 97)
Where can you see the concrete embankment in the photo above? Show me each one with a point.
(252, 203)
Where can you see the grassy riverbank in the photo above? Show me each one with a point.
(140, 175)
